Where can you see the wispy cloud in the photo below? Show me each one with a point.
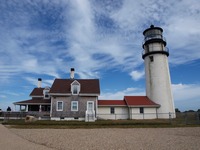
(186, 96)
(186, 91)
(90, 35)
(119, 95)
(43, 38)
(34, 81)
(136, 75)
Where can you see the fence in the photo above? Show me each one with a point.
(12, 115)
(187, 118)
(178, 118)
(7, 115)
(182, 118)
(136, 116)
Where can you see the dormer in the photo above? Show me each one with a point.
(75, 87)
(46, 92)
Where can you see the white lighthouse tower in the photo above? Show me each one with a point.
(158, 82)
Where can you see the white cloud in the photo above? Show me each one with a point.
(42, 37)
(186, 91)
(119, 95)
(119, 44)
(186, 96)
(34, 81)
(3, 96)
(136, 75)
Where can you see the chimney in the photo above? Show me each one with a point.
(39, 82)
(72, 73)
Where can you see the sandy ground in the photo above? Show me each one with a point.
(10, 141)
(101, 139)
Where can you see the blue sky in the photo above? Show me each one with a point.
(100, 39)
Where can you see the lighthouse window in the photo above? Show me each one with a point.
(151, 58)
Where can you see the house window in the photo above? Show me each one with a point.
(60, 106)
(141, 110)
(75, 87)
(74, 106)
(112, 110)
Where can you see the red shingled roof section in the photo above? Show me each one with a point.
(139, 101)
(35, 101)
(37, 92)
(111, 103)
(88, 86)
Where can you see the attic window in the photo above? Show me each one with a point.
(46, 92)
(75, 88)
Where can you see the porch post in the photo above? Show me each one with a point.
(20, 107)
(26, 108)
(40, 109)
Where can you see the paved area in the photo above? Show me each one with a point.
(10, 141)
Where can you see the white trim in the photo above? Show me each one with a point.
(51, 106)
(112, 105)
(57, 106)
(88, 94)
(37, 96)
(32, 103)
(96, 107)
(69, 94)
(62, 94)
(66, 118)
(72, 105)
(145, 106)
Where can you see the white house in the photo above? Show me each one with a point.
(131, 107)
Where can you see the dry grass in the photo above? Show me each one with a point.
(41, 124)
(182, 120)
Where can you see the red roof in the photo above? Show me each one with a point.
(111, 103)
(139, 101)
(34, 101)
(37, 92)
(63, 86)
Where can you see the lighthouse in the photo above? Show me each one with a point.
(158, 82)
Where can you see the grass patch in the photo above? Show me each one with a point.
(181, 120)
(42, 124)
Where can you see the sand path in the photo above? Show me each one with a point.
(10, 141)
(100, 139)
